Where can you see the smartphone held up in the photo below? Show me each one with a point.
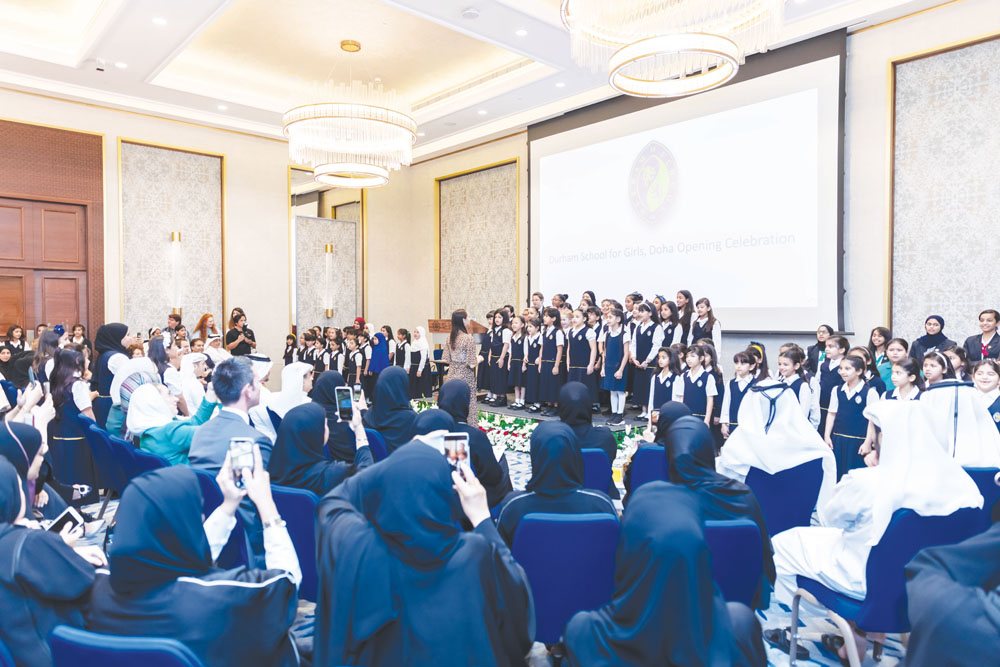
(240, 459)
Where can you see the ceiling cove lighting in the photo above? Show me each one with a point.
(669, 48)
(351, 135)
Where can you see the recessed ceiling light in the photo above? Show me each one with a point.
(450, 123)
(470, 13)
(121, 65)
(481, 112)
(561, 84)
(378, 79)
(420, 134)
(159, 20)
(521, 32)
(222, 107)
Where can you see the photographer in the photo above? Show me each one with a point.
(240, 340)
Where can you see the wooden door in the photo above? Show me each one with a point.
(16, 298)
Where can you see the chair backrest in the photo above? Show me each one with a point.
(109, 468)
(737, 557)
(236, 552)
(377, 444)
(596, 469)
(298, 508)
(72, 647)
(988, 481)
(884, 608)
(570, 563)
(10, 391)
(275, 419)
(6, 659)
(127, 456)
(101, 406)
(146, 461)
(787, 498)
(649, 464)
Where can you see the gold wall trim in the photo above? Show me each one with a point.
(891, 148)
(516, 161)
(364, 253)
(907, 16)
(469, 148)
(121, 213)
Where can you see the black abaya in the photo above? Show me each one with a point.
(400, 584)
(297, 459)
(19, 444)
(453, 398)
(556, 484)
(163, 584)
(669, 412)
(575, 410)
(391, 414)
(341, 440)
(666, 609)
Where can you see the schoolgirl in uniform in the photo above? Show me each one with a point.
(937, 367)
(685, 304)
(353, 363)
(878, 341)
(907, 381)
(959, 361)
(391, 341)
(515, 363)
(896, 350)
(308, 354)
(761, 371)
(291, 350)
(829, 375)
(871, 374)
(529, 367)
(699, 390)
(669, 319)
(666, 384)
(745, 365)
(846, 425)
(15, 339)
(712, 366)
(986, 376)
(321, 358)
(581, 354)
(595, 321)
(550, 379)
(647, 339)
(367, 377)
(706, 326)
(420, 376)
(402, 357)
(615, 345)
(499, 358)
(792, 371)
(483, 369)
(334, 359)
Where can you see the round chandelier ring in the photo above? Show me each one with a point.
(699, 45)
(351, 175)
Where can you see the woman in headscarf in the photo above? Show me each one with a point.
(669, 412)
(152, 417)
(666, 609)
(193, 369)
(420, 367)
(25, 448)
(296, 383)
(934, 339)
(143, 365)
(575, 411)
(556, 483)
(341, 441)
(163, 583)
(43, 581)
(380, 353)
(297, 459)
(110, 345)
(494, 475)
(691, 460)
(6, 362)
(399, 583)
(391, 414)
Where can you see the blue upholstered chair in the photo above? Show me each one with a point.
(787, 498)
(570, 563)
(377, 444)
(10, 391)
(649, 464)
(883, 608)
(237, 549)
(72, 647)
(6, 659)
(101, 406)
(112, 475)
(988, 481)
(737, 557)
(596, 470)
(298, 508)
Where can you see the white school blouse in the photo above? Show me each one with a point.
(742, 384)
(676, 391)
(805, 396)
(868, 398)
(716, 332)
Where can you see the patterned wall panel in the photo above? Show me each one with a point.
(163, 191)
(311, 287)
(479, 240)
(946, 199)
(349, 211)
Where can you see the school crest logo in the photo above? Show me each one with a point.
(653, 182)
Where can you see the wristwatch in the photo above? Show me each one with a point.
(277, 522)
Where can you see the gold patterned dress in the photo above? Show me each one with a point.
(462, 366)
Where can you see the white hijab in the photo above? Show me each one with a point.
(291, 394)
(191, 387)
(962, 424)
(914, 470)
(421, 344)
(147, 410)
(139, 365)
(788, 442)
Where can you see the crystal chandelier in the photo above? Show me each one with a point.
(669, 48)
(355, 139)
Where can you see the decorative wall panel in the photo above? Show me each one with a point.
(163, 191)
(946, 201)
(350, 211)
(313, 290)
(479, 240)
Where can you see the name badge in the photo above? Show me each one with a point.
(857, 399)
(996, 417)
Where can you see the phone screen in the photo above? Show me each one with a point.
(69, 517)
(345, 408)
(241, 458)
(456, 449)
(357, 393)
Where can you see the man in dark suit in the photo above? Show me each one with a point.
(238, 390)
(986, 344)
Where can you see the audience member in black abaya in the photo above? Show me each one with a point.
(43, 581)
(669, 412)
(297, 459)
(341, 442)
(433, 421)
(25, 448)
(391, 414)
(163, 583)
(399, 583)
(666, 609)
(953, 596)
(556, 483)
(494, 475)
(691, 459)
(575, 411)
